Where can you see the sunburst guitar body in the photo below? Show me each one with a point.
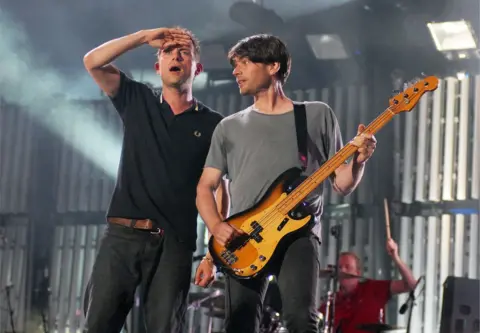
(282, 213)
(265, 228)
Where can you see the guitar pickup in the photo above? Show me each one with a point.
(256, 227)
(257, 238)
(282, 224)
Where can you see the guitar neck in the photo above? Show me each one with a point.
(312, 182)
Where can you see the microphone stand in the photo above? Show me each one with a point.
(10, 309)
(410, 303)
(336, 232)
(411, 299)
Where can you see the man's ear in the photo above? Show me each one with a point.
(274, 68)
(199, 69)
(157, 67)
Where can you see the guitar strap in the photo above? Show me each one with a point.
(300, 114)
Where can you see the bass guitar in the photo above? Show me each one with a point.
(278, 215)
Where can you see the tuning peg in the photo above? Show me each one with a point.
(395, 93)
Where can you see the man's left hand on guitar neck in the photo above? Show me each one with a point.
(366, 144)
(348, 176)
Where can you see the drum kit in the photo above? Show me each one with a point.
(214, 303)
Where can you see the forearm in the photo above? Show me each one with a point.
(109, 51)
(222, 199)
(207, 207)
(208, 255)
(405, 272)
(348, 176)
(223, 203)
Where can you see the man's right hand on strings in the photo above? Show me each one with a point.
(224, 233)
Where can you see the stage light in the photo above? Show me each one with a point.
(327, 46)
(452, 36)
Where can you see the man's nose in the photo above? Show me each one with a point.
(178, 55)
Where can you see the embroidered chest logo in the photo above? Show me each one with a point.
(197, 134)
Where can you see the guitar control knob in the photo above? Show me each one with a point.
(262, 258)
(253, 267)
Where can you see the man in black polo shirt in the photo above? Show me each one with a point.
(152, 217)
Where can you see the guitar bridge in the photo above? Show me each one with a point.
(229, 257)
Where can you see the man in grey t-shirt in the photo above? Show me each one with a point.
(252, 148)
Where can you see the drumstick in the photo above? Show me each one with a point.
(387, 219)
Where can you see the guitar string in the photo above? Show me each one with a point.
(266, 221)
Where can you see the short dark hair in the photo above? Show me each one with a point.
(195, 41)
(265, 49)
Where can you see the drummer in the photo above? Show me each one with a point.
(363, 302)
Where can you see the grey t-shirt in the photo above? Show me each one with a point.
(252, 149)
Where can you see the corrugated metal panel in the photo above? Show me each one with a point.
(82, 186)
(13, 272)
(15, 165)
(445, 127)
(74, 252)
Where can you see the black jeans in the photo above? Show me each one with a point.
(297, 275)
(128, 258)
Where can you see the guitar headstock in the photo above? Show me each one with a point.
(407, 99)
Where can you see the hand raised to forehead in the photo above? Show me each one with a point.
(160, 37)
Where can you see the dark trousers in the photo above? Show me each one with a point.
(129, 258)
(297, 275)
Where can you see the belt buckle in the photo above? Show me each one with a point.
(158, 231)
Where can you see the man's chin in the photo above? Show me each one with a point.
(244, 92)
(174, 83)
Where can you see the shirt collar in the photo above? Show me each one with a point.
(195, 101)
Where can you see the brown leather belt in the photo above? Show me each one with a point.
(145, 224)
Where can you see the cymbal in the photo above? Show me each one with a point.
(216, 284)
(216, 314)
(328, 273)
(203, 299)
(380, 328)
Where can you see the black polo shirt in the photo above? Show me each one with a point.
(162, 159)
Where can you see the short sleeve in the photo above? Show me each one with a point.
(217, 157)
(126, 95)
(329, 140)
(332, 135)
